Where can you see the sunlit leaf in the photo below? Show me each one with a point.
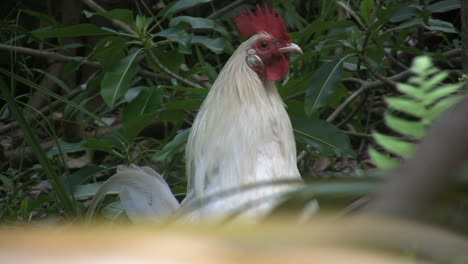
(322, 84)
(72, 31)
(116, 82)
(198, 23)
(322, 135)
(177, 145)
(184, 4)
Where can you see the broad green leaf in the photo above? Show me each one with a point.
(320, 26)
(87, 191)
(172, 59)
(381, 160)
(440, 25)
(345, 6)
(140, 112)
(410, 128)
(322, 135)
(184, 4)
(65, 147)
(404, 13)
(394, 145)
(295, 108)
(367, 7)
(198, 23)
(444, 6)
(177, 145)
(183, 104)
(177, 35)
(109, 51)
(116, 82)
(406, 105)
(98, 144)
(322, 84)
(124, 15)
(72, 31)
(216, 45)
(83, 174)
(7, 184)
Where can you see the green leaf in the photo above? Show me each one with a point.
(350, 11)
(440, 107)
(394, 145)
(183, 104)
(72, 31)
(124, 15)
(406, 105)
(437, 79)
(198, 23)
(87, 191)
(441, 92)
(176, 35)
(116, 82)
(367, 7)
(444, 6)
(404, 13)
(65, 147)
(440, 25)
(172, 59)
(140, 112)
(322, 135)
(216, 45)
(412, 91)
(177, 145)
(382, 161)
(184, 4)
(99, 144)
(7, 184)
(405, 127)
(109, 51)
(322, 84)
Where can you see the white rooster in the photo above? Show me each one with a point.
(242, 135)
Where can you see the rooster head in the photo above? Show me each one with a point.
(267, 55)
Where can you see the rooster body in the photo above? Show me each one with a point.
(241, 136)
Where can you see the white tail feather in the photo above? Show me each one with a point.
(145, 195)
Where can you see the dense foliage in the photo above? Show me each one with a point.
(88, 89)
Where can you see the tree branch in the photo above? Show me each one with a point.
(364, 87)
(227, 8)
(54, 56)
(128, 29)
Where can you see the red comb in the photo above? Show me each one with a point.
(264, 21)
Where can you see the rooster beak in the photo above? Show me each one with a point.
(291, 48)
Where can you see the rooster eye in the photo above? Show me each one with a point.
(264, 44)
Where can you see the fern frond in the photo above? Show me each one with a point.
(425, 98)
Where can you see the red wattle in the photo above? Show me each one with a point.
(277, 67)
